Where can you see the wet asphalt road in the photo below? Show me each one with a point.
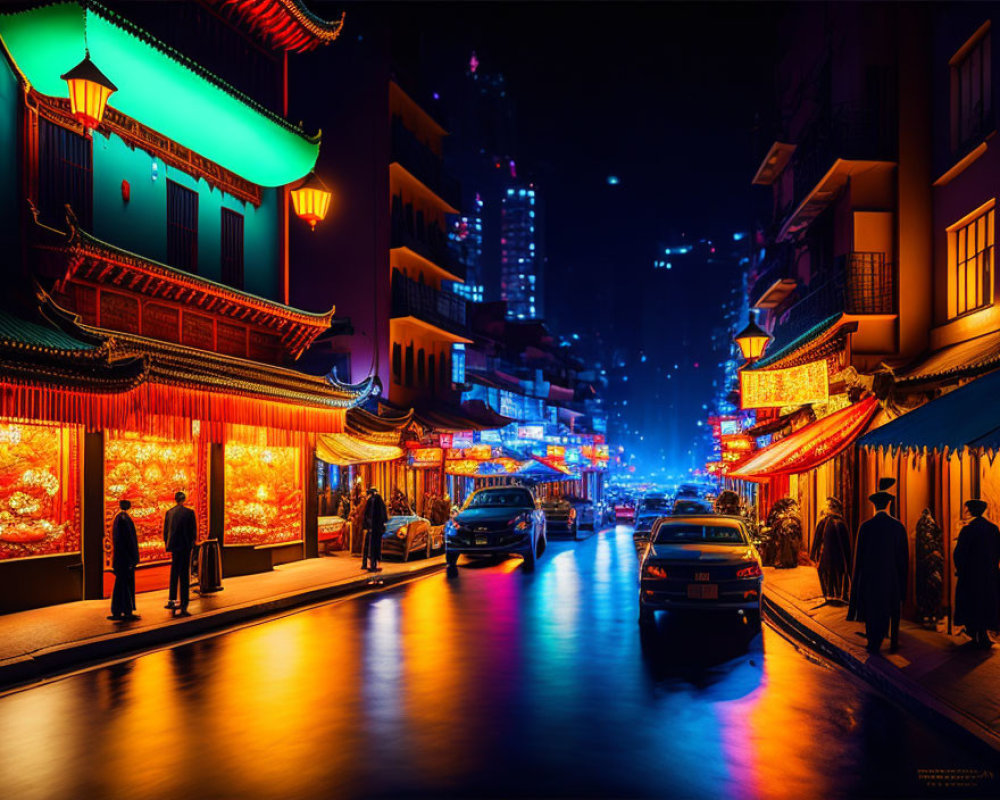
(491, 683)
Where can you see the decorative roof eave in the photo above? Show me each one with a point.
(283, 24)
(376, 429)
(819, 341)
(89, 259)
(160, 87)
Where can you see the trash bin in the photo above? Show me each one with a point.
(209, 567)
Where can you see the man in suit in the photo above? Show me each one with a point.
(977, 564)
(180, 531)
(881, 563)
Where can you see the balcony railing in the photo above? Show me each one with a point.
(408, 229)
(411, 298)
(861, 283)
(423, 163)
(848, 131)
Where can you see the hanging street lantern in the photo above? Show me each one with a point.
(89, 90)
(752, 341)
(311, 199)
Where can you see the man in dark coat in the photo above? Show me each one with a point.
(124, 560)
(376, 516)
(881, 563)
(831, 550)
(180, 532)
(977, 564)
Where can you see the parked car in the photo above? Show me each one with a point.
(700, 563)
(644, 523)
(654, 502)
(561, 516)
(497, 521)
(624, 510)
(406, 535)
(688, 505)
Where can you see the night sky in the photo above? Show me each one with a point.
(663, 96)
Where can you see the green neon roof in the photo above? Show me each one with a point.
(160, 88)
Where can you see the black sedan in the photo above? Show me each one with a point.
(698, 564)
(497, 521)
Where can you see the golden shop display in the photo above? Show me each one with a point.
(263, 494)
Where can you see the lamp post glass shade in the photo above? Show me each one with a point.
(89, 90)
(752, 341)
(311, 200)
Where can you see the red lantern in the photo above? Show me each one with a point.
(89, 90)
(311, 200)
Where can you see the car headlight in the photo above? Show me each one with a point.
(521, 523)
(401, 533)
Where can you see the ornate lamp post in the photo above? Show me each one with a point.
(89, 90)
(753, 340)
(311, 199)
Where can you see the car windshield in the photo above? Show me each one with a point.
(699, 534)
(655, 504)
(505, 498)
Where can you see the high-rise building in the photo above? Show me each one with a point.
(465, 240)
(521, 258)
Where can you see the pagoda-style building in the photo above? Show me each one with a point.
(146, 343)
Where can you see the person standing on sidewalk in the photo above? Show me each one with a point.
(832, 550)
(977, 565)
(180, 531)
(376, 516)
(124, 560)
(881, 563)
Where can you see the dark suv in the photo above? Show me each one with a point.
(497, 521)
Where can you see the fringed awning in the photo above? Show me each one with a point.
(810, 446)
(163, 410)
(343, 450)
(964, 417)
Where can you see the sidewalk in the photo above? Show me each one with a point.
(45, 641)
(939, 677)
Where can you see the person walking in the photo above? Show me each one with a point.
(977, 565)
(881, 564)
(832, 550)
(376, 516)
(180, 531)
(124, 560)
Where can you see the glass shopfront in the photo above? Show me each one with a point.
(149, 471)
(39, 490)
(264, 497)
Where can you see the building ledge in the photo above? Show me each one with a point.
(774, 164)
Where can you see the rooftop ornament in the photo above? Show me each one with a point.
(311, 199)
(753, 340)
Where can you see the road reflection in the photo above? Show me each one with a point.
(494, 682)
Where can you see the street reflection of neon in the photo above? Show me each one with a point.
(383, 659)
(38, 742)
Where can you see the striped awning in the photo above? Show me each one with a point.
(810, 446)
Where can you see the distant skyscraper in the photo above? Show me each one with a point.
(521, 259)
(465, 239)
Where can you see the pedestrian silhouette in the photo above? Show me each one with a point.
(375, 518)
(881, 563)
(180, 531)
(832, 550)
(977, 565)
(124, 560)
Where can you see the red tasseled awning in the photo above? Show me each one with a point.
(808, 447)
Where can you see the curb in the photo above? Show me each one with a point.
(53, 661)
(782, 614)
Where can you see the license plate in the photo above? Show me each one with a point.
(703, 591)
(482, 540)
(701, 576)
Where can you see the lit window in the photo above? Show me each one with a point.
(970, 262)
(458, 363)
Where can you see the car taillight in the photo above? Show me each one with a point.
(654, 571)
(753, 571)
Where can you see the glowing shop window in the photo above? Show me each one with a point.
(39, 491)
(263, 494)
(149, 472)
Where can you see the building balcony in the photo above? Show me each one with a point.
(423, 163)
(776, 280)
(860, 284)
(427, 240)
(444, 310)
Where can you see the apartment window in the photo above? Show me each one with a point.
(421, 368)
(409, 365)
(431, 374)
(397, 362)
(971, 91)
(65, 175)
(970, 259)
(458, 363)
(182, 227)
(232, 248)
